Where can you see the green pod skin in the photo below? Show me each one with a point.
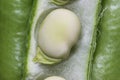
(106, 63)
(14, 15)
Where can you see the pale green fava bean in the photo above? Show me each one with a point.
(60, 2)
(56, 36)
(54, 78)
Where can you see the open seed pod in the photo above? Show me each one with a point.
(59, 39)
(75, 23)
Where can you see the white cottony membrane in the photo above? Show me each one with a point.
(76, 66)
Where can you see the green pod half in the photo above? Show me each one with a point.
(106, 63)
(79, 63)
(14, 15)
